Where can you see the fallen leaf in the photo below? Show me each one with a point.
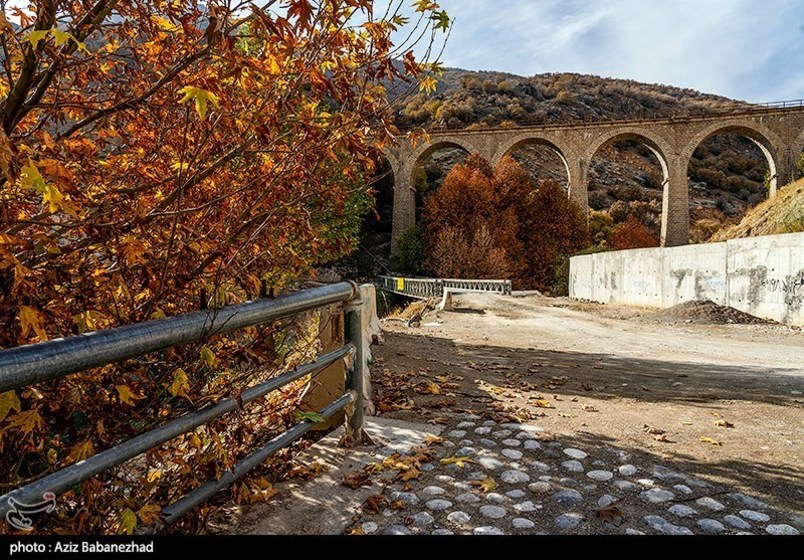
(662, 438)
(408, 475)
(486, 485)
(711, 441)
(724, 424)
(653, 431)
(461, 462)
(541, 403)
(356, 530)
(355, 480)
(611, 514)
(433, 440)
(374, 504)
(398, 505)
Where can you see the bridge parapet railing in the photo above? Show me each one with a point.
(430, 288)
(28, 365)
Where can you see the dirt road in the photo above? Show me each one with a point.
(723, 403)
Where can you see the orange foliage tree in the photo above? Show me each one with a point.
(493, 223)
(152, 152)
(632, 234)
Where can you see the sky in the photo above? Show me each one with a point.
(745, 49)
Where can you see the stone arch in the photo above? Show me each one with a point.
(766, 140)
(655, 143)
(424, 150)
(517, 142)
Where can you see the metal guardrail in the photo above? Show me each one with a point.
(27, 365)
(430, 288)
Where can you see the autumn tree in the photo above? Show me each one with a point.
(489, 222)
(155, 153)
(632, 234)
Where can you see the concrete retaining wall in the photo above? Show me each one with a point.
(763, 276)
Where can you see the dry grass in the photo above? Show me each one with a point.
(782, 214)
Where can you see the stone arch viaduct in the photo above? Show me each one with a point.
(778, 132)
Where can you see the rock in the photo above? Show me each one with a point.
(496, 498)
(526, 507)
(675, 530)
(785, 530)
(466, 443)
(488, 531)
(477, 475)
(606, 500)
(489, 423)
(493, 512)
(483, 431)
(539, 487)
(646, 482)
(502, 434)
(434, 491)
(398, 530)
(710, 503)
(575, 453)
(600, 476)
(422, 519)
(511, 442)
(663, 473)
(462, 486)
(539, 466)
(624, 485)
(445, 478)
(590, 488)
(657, 496)
(747, 501)
(442, 533)
(711, 526)
(512, 454)
(737, 522)
(568, 498)
(568, 521)
(427, 467)
(655, 522)
(634, 532)
(490, 463)
(457, 434)
(554, 445)
(466, 452)
(686, 490)
(532, 444)
(755, 516)
(571, 482)
(459, 517)
(467, 498)
(573, 466)
(438, 505)
(488, 443)
(523, 524)
(627, 470)
(681, 510)
(409, 498)
(515, 494)
(465, 425)
(369, 527)
(515, 477)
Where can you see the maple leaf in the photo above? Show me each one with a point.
(355, 480)
(26, 421)
(461, 462)
(149, 514)
(355, 530)
(409, 474)
(8, 402)
(541, 403)
(201, 97)
(180, 385)
(428, 84)
(711, 441)
(81, 451)
(209, 357)
(127, 395)
(724, 424)
(486, 485)
(433, 440)
(128, 522)
(31, 321)
(374, 504)
(610, 514)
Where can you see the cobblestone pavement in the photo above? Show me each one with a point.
(487, 478)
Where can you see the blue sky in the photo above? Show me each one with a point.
(746, 49)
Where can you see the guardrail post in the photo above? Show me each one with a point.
(355, 433)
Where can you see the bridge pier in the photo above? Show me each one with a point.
(676, 204)
(404, 216)
(579, 183)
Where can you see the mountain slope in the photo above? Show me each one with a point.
(783, 214)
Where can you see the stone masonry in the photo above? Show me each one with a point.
(779, 133)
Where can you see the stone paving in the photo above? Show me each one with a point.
(487, 478)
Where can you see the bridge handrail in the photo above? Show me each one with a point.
(27, 365)
(427, 288)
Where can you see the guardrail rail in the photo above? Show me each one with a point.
(27, 365)
(432, 288)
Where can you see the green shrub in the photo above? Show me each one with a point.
(411, 250)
